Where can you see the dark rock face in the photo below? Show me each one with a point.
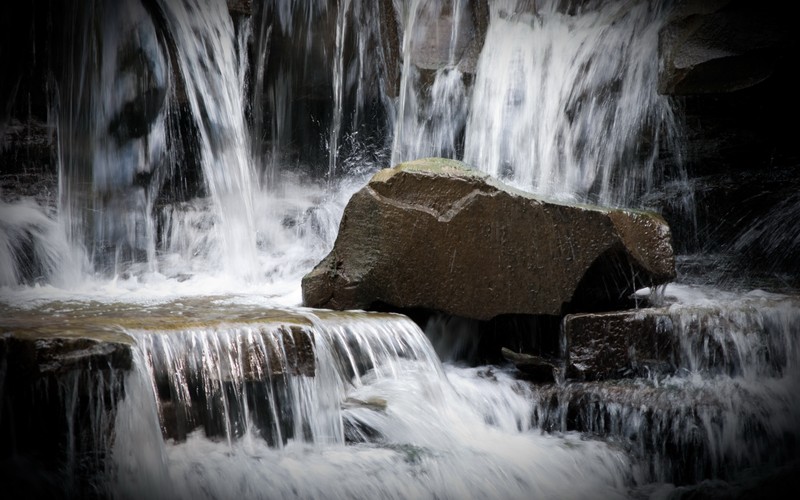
(729, 65)
(618, 344)
(743, 226)
(537, 368)
(434, 31)
(720, 46)
(240, 7)
(434, 234)
(59, 399)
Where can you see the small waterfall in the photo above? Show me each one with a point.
(431, 123)
(563, 100)
(750, 338)
(287, 37)
(108, 104)
(729, 407)
(255, 418)
(128, 104)
(319, 92)
(338, 90)
(282, 383)
(205, 42)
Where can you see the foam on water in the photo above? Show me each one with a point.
(424, 434)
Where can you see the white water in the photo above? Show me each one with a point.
(542, 82)
(205, 40)
(415, 430)
(561, 105)
(560, 101)
(731, 403)
(34, 248)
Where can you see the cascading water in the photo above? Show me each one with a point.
(728, 407)
(559, 105)
(380, 417)
(231, 388)
(561, 102)
(108, 105)
(431, 123)
(205, 40)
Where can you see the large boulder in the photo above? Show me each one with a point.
(436, 235)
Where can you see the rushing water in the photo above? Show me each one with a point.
(380, 418)
(235, 390)
(553, 103)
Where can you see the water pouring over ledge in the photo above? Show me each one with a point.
(146, 244)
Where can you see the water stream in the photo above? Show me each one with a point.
(235, 390)
(380, 417)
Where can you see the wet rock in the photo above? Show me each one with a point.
(59, 400)
(720, 46)
(432, 46)
(390, 47)
(240, 7)
(479, 12)
(357, 430)
(537, 368)
(292, 354)
(373, 403)
(27, 149)
(674, 430)
(39, 357)
(618, 344)
(747, 338)
(436, 235)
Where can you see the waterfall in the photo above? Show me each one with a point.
(561, 102)
(374, 414)
(430, 123)
(205, 40)
(558, 102)
(205, 156)
(108, 105)
(282, 383)
(728, 407)
(319, 87)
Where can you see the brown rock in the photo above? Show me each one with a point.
(616, 344)
(434, 234)
(537, 367)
